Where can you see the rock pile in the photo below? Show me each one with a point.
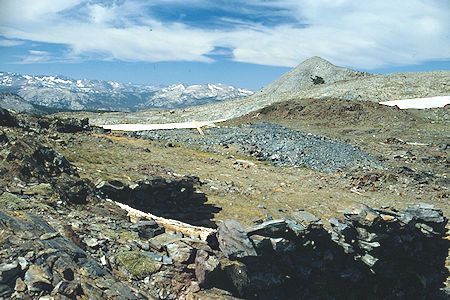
(25, 161)
(169, 198)
(277, 144)
(38, 261)
(374, 254)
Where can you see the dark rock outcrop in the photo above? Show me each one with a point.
(54, 265)
(374, 253)
(170, 198)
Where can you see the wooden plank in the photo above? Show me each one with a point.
(190, 230)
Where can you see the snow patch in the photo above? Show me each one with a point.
(419, 103)
(142, 127)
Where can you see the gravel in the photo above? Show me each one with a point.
(276, 144)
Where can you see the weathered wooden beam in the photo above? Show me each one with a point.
(190, 230)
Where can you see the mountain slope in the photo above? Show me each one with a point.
(66, 93)
(9, 100)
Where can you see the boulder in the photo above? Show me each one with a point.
(180, 252)
(233, 240)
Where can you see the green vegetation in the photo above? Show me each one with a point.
(137, 264)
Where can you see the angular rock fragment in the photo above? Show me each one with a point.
(363, 215)
(237, 274)
(233, 240)
(38, 279)
(180, 252)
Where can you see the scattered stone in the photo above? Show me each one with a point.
(159, 242)
(93, 242)
(20, 286)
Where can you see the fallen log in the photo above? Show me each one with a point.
(190, 230)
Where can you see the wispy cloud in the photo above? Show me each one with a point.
(365, 34)
(10, 43)
(35, 56)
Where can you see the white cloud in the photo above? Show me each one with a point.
(10, 43)
(35, 56)
(364, 34)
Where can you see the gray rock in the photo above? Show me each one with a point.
(369, 260)
(69, 289)
(363, 215)
(180, 252)
(233, 240)
(422, 215)
(147, 229)
(296, 228)
(5, 290)
(159, 242)
(305, 217)
(22, 262)
(93, 242)
(38, 279)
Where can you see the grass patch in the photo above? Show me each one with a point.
(267, 109)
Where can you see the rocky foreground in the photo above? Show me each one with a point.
(61, 237)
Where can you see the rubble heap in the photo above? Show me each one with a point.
(373, 253)
(174, 198)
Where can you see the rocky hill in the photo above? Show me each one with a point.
(67, 93)
(311, 72)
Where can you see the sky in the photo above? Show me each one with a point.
(247, 44)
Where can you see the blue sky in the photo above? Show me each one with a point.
(243, 43)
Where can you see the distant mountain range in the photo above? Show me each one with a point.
(314, 78)
(60, 92)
